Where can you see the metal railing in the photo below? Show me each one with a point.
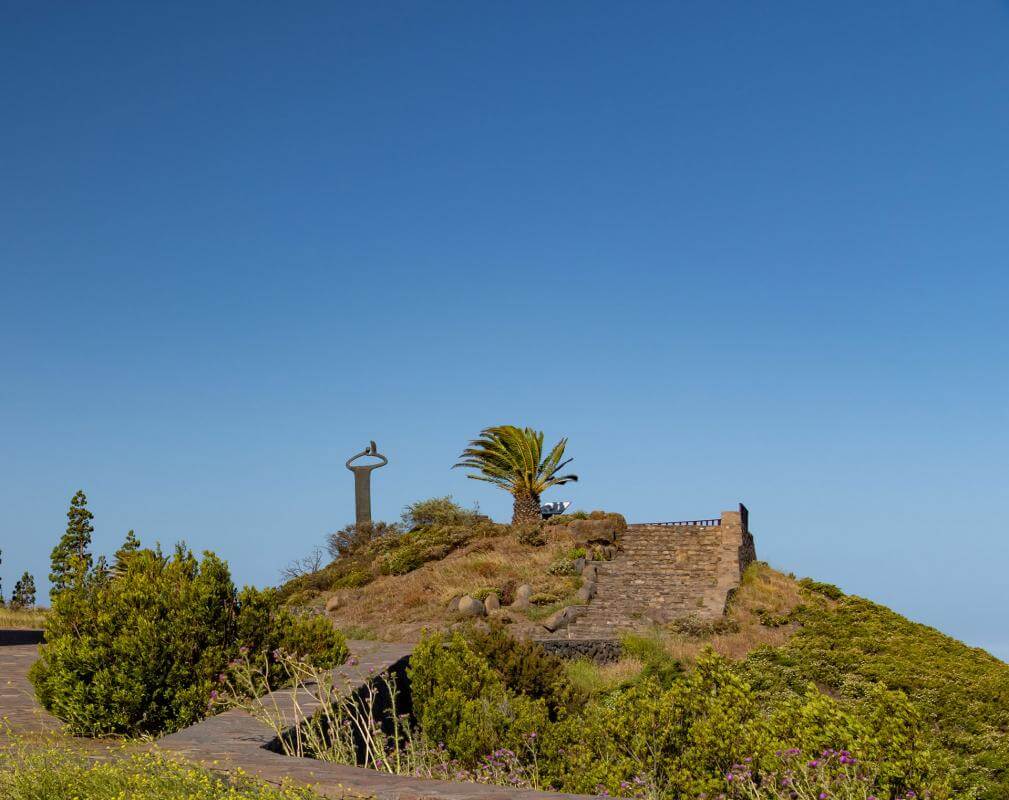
(699, 523)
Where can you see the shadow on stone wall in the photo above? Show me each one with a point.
(14, 636)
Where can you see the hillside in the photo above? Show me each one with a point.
(781, 635)
(846, 645)
(393, 587)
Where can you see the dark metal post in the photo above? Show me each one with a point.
(362, 482)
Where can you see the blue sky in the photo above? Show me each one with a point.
(743, 251)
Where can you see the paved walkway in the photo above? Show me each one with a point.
(17, 698)
(235, 739)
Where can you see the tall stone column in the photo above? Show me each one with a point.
(362, 482)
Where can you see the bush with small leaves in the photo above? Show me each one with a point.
(563, 566)
(530, 534)
(828, 590)
(353, 538)
(438, 511)
(461, 703)
(138, 651)
(526, 668)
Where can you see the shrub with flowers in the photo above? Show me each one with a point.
(831, 775)
(481, 717)
(674, 738)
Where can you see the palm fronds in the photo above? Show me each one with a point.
(512, 459)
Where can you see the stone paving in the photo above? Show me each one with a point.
(235, 739)
(17, 699)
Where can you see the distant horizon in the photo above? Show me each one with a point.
(734, 254)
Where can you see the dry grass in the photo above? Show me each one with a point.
(598, 679)
(401, 607)
(758, 615)
(22, 618)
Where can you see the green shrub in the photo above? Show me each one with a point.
(348, 572)
(526, 668)
(703, 629)
(663, 736)
(771, 620)
(852, 645)
(530, 534)
(255, 623)
(438, 511)
(828, 590)
(431, 530)
(618, 522)
(462, 704)
(52, 770)
(405, 553)
(138, 651)
(353, 538)
(562, 566)
(353, 579)
(656, 660)
(302, 597)
(589, 678)
(313, 639)
(264, 627)
(680, 740)
(402, 559)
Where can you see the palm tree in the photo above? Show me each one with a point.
(512, 459)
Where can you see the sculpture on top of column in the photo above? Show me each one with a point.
(362, 482)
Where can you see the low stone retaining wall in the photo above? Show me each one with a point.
(602, 651)
(15, 636)
(234, 740)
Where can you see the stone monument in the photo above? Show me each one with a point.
(362, 482)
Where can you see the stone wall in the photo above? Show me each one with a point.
(602, 651)
(668, 571)
(235, 740)
(16, 636)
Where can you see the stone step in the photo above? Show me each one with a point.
(664, 571)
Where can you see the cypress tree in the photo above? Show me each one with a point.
(71, 557)
(24, 592)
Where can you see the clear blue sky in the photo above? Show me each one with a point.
(736, 252)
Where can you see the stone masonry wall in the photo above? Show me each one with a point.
(668, 572)
(602, 651)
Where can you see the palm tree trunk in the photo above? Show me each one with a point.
(526, 509)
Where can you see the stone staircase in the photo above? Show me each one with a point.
(664, 572)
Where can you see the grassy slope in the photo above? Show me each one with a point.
(29, 618)
(845, 645)
(399, 607)
(782, 635)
